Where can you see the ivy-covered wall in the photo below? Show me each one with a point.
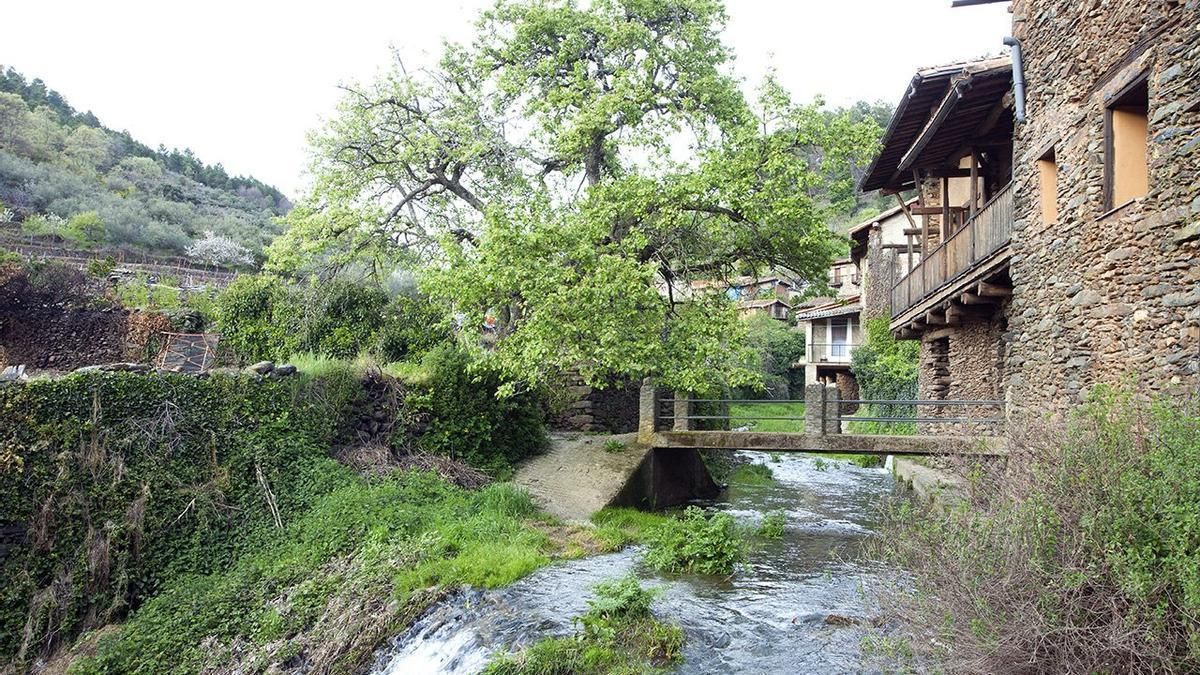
(112, 483)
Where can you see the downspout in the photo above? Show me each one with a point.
(1018, 77)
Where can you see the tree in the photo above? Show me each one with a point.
(214, 249)
(537, 170)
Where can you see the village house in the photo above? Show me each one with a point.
(833, 327)
(770, 295)
(1058, 207)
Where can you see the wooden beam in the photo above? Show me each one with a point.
(972, 299)
(945, 172)
(994, 290)
(974, 182)
(934, 210)
(935, 318)
(906, 334)
(945, 209)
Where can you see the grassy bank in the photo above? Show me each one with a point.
(345, 575)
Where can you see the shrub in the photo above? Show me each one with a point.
(1088, 560)
(411, 327)
(886, 369)
(778, 346)
(772, 525)
(254, 318)
(84, 229)
(466, 419)
(696, 542)
(752, 474)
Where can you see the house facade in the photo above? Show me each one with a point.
(1058, 219)
(1106, 173)
(770, 295)
(833, 327)
(950, 141)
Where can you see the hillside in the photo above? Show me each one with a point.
(65, 175)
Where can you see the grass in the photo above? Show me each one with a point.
(750, 413)
(619, 527)
(403, 539)
(618, 634)
(752, 474)
(772, 525)
(697, 543)
(612, 445)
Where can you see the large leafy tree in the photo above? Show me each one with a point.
(570, 171)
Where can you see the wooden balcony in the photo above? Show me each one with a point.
(975, 249)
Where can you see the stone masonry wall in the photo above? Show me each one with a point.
(879, 275)
(1105, 297)
(613, 409)
(965, 362)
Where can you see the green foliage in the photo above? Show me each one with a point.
(255, 319)
(601, 92)
(1087, 560)
(466, 417)
(54, 160)
(613, 445)
(617, 527)
(752, 474)
(618, 635)
(266, 317)
(139, 293)
(128, 482)
(886, 369)
(773, 525)
(410, 328)
(445, 536)
(778, 346)
(696, 542)
(85, 229)
(751, 414)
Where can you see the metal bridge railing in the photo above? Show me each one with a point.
(823, 412)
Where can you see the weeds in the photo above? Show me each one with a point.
(612, 445)
(617, 634)
(1088, 560)
(696, 542)
(772, 525)
(752, 474)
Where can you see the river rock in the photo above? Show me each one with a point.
(285, 370)
(261, 368)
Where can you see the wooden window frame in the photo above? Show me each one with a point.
(1118, 100)
(1049, 157)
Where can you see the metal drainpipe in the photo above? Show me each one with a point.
(1018, 77)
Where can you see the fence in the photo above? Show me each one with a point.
(824, 412)
(829, 352)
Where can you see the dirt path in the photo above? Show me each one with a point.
(577, 477)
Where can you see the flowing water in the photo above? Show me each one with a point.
(772, 617)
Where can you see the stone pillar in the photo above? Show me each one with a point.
(682, 411)
(814, 409)
(833, 408)
(647, 412)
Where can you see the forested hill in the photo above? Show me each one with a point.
(65, 176)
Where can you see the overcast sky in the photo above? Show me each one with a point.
(242, 82)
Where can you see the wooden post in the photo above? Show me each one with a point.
(945, 209)
(974, 183)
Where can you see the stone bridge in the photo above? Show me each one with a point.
(823, 420)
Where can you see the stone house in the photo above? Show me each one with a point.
(950, 142)
(770, 295)
(1059, 218)
(833, 327)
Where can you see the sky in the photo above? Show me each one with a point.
(242, 82)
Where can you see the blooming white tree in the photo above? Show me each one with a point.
(214, 249)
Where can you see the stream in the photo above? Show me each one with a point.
(771, 617)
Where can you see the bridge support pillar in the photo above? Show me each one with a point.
(682, 411)
(822, 406)
(647, 412)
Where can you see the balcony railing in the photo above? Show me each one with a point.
(978, 238)
(829, 352)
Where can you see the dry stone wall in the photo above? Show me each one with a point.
(1105, 296)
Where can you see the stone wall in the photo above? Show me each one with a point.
(881, 272)
(965, 362)
(613, 409)
(1105, 296)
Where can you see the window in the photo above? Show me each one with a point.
(1127, 175)
(1048, 188)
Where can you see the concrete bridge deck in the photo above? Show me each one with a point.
(830, 443)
